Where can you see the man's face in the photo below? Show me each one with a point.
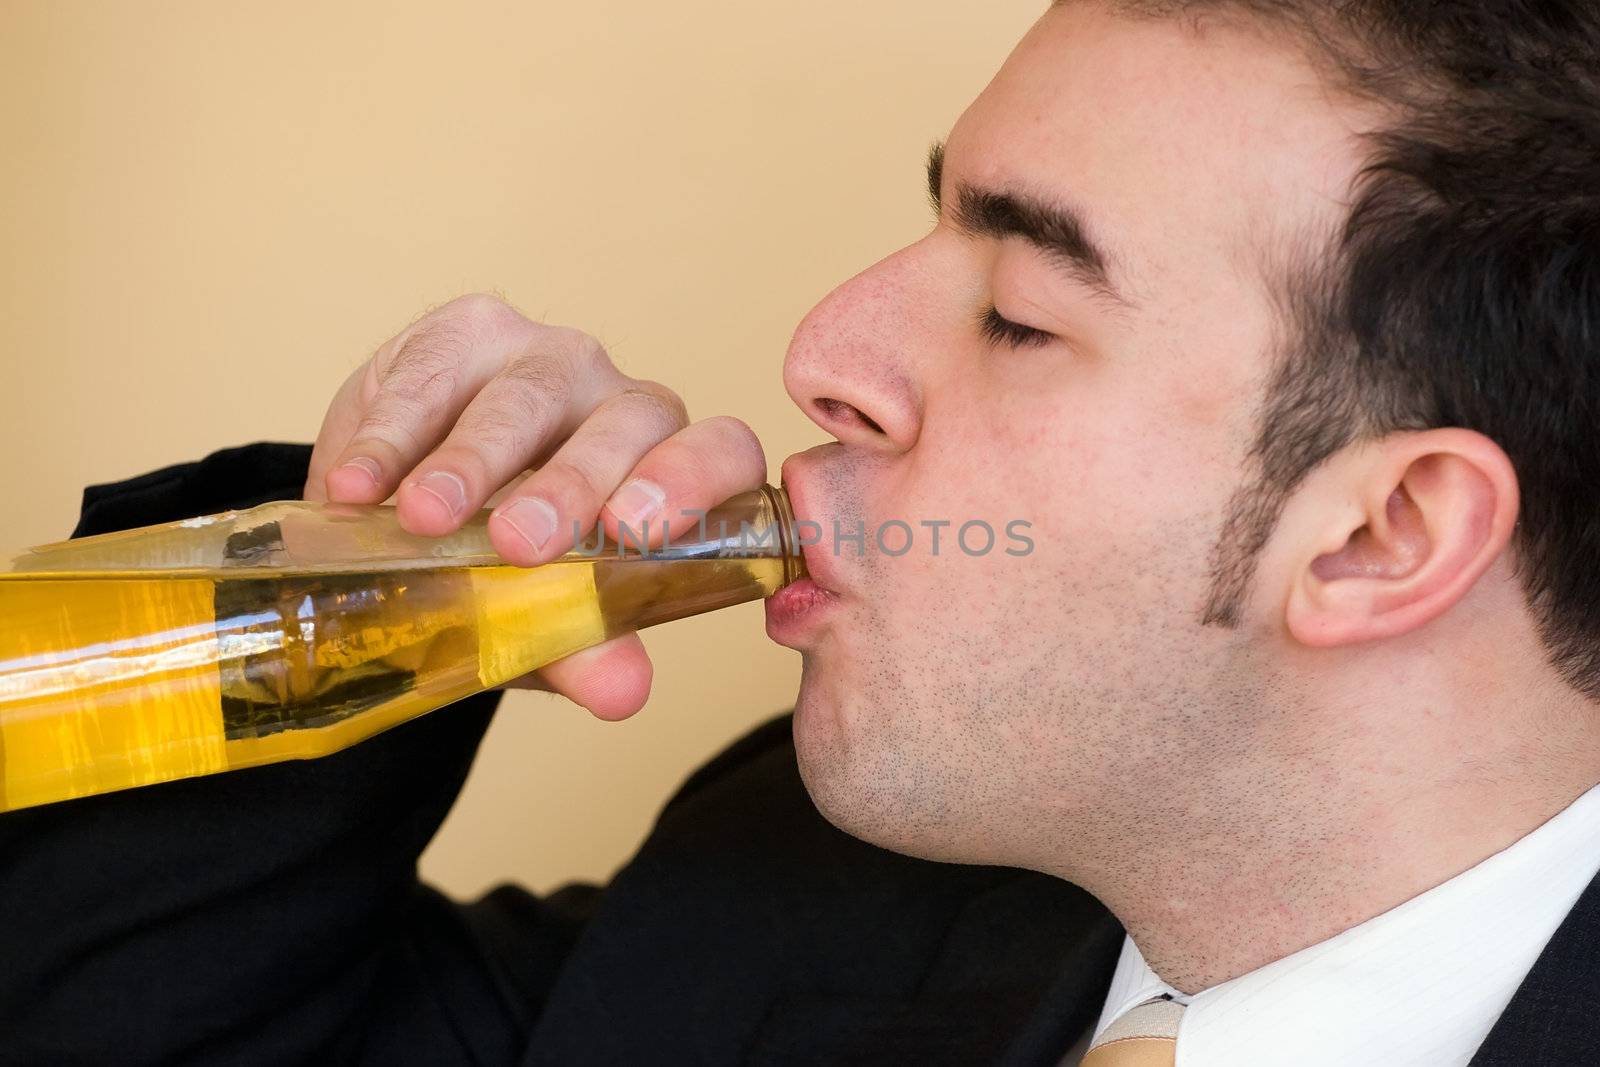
(985, 707)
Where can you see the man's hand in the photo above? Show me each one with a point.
(449, 416)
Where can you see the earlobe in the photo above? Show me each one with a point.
(1438, 509)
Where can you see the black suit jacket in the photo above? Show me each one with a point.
(274, 916)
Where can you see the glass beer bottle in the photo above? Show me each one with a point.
(295, 629)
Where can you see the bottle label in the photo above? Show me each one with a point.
(69, 649)
(530, 617)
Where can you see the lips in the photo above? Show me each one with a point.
(795, 610)
(798, 610)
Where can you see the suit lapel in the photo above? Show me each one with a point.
(966, 1026)
(1552, 1019)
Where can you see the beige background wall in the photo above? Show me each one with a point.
(210, 212)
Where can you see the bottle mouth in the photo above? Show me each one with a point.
(794, 560)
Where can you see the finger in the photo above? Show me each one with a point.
(519, 416)
(612, 680)
(338, 423)
(542, 517)
(535, 681)
(411, 392)
(695, 469)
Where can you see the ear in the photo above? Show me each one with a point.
(1422, 517)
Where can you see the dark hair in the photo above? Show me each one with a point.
(1464, 287)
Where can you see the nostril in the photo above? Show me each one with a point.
(839, 411)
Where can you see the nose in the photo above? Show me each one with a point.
(852, 367)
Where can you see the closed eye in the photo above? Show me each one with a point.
(999, 330)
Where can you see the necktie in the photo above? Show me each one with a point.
(1142, 1036)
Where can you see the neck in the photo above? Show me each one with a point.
(1251, 864)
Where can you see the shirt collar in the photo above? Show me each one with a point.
(1420, 984)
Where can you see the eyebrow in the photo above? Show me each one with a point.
(1056, 229)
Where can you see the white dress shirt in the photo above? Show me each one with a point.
(1418, 986)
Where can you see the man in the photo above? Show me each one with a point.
(1274, 319)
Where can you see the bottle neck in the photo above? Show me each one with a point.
(794, 560)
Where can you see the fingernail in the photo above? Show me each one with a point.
(448, 489)
(637, 501)
(534, 520)
(368, 467)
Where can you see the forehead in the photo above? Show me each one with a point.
(1191, 148)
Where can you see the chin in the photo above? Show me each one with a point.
(819, 742)
(857, 778)
(830, 764)
(842, 801)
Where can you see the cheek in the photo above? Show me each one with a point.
(1065, 479)
(1117, 506)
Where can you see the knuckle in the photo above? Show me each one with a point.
(721, 447)
(535, 383)
(603, 445)
(371, 384)
(574, 478)
(510, 429)
(388, 424)
(486, 319)
(483, 312)
(727, 446)
(512, 417)
(660, 411)
(582, 349)
(733, 432)
(429, 360)
(684, 459)
(668, 400)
